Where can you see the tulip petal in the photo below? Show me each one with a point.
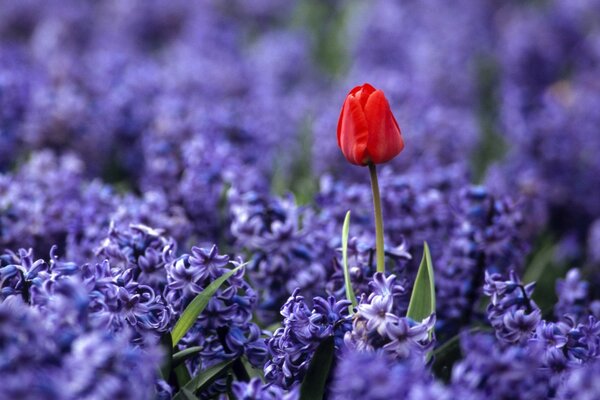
(385, 139)
(353, 131)
(362, 93)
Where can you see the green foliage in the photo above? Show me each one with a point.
(348, 284)
(422, 300)
(313, 386)
(167, 346)
(202, 380)
(198, 305)
(183, 355)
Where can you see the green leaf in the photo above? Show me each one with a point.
(183, 355)
(541, 260)
(182, 375)
(188, 394)
(349, 291)
(422, 300)
(167, 364)
(313, 386)
(202, 379)
(198, 305)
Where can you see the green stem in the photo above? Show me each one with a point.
(378, 219)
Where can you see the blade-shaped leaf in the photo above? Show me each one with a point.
(202, 379)
(313, 386)
(191, 312)
(183, 355)
(182, 375)
(188, 395)
(422, 299)
(349, 291)
(167, 364)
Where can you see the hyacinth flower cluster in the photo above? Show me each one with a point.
(407, 379)
(62, 351)
(361, 266)
(287, 249)
(377, 324)
(488, 235)
(224, 330)
(293, 345)
(49, 201)
(512, 312)
(134, 296)
(568, 343)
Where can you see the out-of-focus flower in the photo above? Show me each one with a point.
(581, 383)
(487, 234)
(491, 370)
(572, 293)
(367, 131)
(373, 375)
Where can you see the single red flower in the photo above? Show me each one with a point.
(367, 130)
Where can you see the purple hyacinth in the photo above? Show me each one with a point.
(487, 235)
(292, 346)
(361, 265)
(287, 248)
(141, 249)
(566, 344)
(549, 57)
(572, 293)
(100, 366)
(257, 390)
(71, 212)
(30, 358)
(512, 312)
(377, 325)
(224, 329)
(373, 375)
(580, 383)
(65, 356)
(18, 272)
(489, 369)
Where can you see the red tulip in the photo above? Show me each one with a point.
(367, 130)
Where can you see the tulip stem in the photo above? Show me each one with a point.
(379, 246)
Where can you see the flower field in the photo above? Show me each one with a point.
(299, 199)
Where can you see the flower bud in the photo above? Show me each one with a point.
(367, 130)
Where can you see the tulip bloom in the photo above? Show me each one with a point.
(367, 131)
